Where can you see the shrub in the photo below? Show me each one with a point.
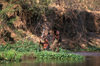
(10, 55)
(59, 56)
(16, 51)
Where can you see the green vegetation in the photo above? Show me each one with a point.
(26, 9)
(21, 46)
(16, 51)
(3, 12)
(32, 12)
(10, 55)
(59, 56)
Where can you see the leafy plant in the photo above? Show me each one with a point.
(10, 55)
(59, 56)
(16, 51)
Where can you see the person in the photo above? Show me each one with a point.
(41, 42)
(44, 41)
(42, 38)
(45, 44)
(56, 41)
(50, 37)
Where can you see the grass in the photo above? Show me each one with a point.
(89, 49)
(10, 55)
(21, 46)
(57, 56)
(15, 52)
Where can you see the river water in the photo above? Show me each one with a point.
(92, 59)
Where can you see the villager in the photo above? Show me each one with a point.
(56, 41)
(50, 37)
(44, 41)
(45, 45)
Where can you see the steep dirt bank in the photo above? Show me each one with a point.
(78, 27)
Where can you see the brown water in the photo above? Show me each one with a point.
(92, 59)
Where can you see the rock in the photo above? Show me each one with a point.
(84, 46)
(95, 42)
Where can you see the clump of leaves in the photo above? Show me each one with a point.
(10, 55)
(21, 48)
(59, 56)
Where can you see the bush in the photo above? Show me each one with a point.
(58, 56)
(16, 51)
(10, 55)
(21, 46)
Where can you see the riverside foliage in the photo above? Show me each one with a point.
(16, 51)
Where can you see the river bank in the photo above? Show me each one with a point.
(17, 52)
(89, 61)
